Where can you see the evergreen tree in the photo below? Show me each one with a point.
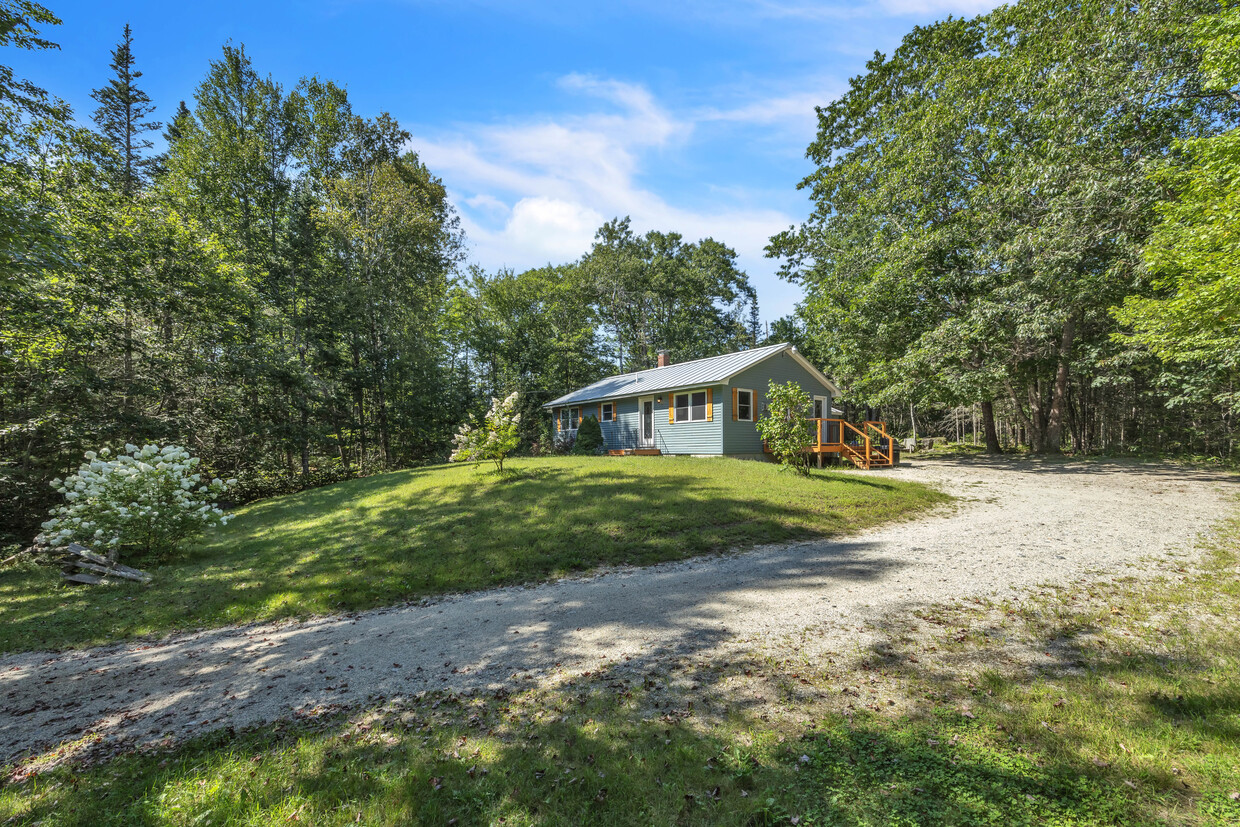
(122, 108)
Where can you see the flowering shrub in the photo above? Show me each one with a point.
(147, 500)
(494, 439)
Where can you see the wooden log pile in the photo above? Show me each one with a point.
(81, 565)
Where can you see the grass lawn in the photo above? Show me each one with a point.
(1129, 714)
(401, 536)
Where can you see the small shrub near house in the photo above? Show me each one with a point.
(589, 437)
(493, 439)
(783, 426)
(145, 501)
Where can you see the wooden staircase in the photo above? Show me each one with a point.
(867, 446)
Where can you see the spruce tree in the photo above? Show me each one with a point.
(122, 107)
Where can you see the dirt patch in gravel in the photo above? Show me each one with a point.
(1018, 524)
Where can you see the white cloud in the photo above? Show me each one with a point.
(534, 193)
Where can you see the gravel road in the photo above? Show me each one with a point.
(1018, 524)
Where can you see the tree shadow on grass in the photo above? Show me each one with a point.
(1126, 702)
(478, 641)
(619, 746)
(385, 540)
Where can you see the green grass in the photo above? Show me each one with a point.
(1135, 720)
(402, 536)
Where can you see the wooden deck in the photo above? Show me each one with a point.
(635, 452)
(866, 446)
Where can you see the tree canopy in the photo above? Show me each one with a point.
(982, 199)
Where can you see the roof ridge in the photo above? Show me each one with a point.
(676, 375)
(694, 361)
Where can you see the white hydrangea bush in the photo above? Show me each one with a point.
(145, 500)
(494, 439)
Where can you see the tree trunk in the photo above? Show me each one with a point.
(1054, 421)
(1036, 423)
(988, 422)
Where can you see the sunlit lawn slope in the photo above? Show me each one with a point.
(1133, 719)
(391, 538)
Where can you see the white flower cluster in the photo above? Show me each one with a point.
(148, 498)
(496, 438)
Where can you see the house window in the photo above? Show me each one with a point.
(744, 405)
(608, 410)
(697, 408)
(691, 407)
(574, 418)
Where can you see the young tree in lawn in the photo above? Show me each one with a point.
(783, 426)
(493, 439)
(120, 117)
(533, 331)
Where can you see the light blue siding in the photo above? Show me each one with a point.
(690, 437)
(719, 435)
(742, 437)
(623, 432)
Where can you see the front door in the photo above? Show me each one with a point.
(820, 407)
(645, 438)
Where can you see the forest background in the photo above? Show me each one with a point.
(1023, 229)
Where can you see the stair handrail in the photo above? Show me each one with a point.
(861, 434)
(818, 420)
(881, 428)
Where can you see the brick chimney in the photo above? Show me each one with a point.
(664, 359)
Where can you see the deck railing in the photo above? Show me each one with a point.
(866, 445)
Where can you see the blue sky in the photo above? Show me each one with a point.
(543, 119)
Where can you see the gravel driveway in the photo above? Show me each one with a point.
(1019, 523)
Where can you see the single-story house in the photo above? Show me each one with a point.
(703, 407)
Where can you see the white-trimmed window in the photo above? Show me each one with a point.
(570, 418)
(744, 405)
(607, 412)
(693, 406)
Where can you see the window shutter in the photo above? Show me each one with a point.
(600, 412)
(734, 394)
(671, 408)
(558, 424)
(710, 404)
